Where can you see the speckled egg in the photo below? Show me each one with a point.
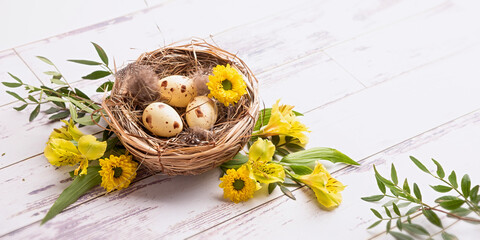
(201, 112)
(177, 90)
(162, 120)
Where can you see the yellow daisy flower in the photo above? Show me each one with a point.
(237, 185)
(117, 172)
(226, 85)
(327, 189)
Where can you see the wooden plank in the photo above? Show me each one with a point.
(385, 54)
(361, 124)
(45, 17)
(313, 27)
(127, 37)
(32, 208)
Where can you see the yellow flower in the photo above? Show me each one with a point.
(259, 156)
(327, 189)
(284, 122)
(61, 152)
(67, 132)
(117, 172)
(237, 185)
(226, 85)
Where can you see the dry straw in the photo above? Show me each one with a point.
(192, 151)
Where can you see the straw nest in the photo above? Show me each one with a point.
(193, 151)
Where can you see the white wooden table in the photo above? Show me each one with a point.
(378, 80)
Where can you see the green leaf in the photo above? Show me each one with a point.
(417, 192)
(450, 202)
(271, 187)
(390, 203)
(385, 181)
(311, 155)
(16, 96)
(12, 85)
(287, 192)
(373, 198)
(15, 77)
(56, 99)
(53, 73)
(21, 107)
(432, 217)
(57, 81)
(31, 98)
(374, 224)
(389, 223)
(73, 111)
(453, 179)
(448, 236)
(292, 147)
(393, 174)
(96, 75)
(101, 53)
(396, 210)
(474, 194)
(52, 110)
(440, 172)
(34, 113)
(60, 115)
(387, 212)
(77, 188)
(381, 185)
(404, 204)
(399, 224)
(282, 152)
(84, 62)
(376, 213)
(415, 229)
(80, 105)
(87, 120)
(406, 188)
(419, 164)
(413, 210)
(400, 236)
(81, 94)
(462, 212)
(441, 188)
(45, 60)
(466, 185)
(300, 169)
(236, 162)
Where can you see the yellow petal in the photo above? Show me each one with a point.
(73, 130)
(267, 172)
(90, 147)
(262, 150)
(60, 152)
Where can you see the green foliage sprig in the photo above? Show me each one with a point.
(66, 100)
(463, 202)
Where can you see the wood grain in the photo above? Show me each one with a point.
(420, 40)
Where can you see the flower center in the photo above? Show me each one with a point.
(227, 85)
(238, 184)
(117, 172)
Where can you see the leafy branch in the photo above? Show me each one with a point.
(403, 196)
(67, 101)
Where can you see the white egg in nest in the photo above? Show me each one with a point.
(177, 90)
(201, 112)
(162, 120)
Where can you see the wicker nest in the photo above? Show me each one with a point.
(192, 151)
